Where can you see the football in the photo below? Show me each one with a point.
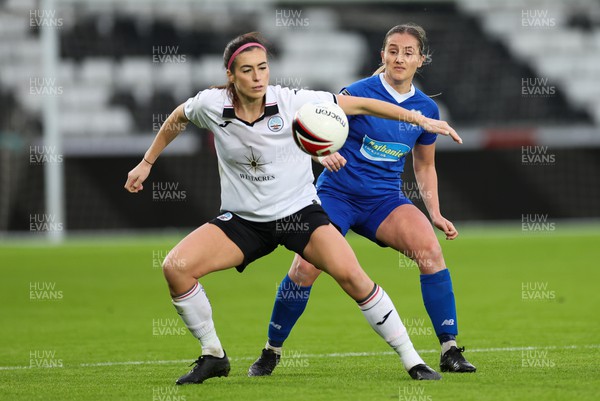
(320, 129)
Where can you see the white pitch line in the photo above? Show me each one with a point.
(333, 355)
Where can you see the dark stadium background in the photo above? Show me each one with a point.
(476, 77)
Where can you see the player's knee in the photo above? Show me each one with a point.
(173, 266)
(351, 277)
(303, 273)
(431, 259)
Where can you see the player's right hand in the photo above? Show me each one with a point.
(333, 162)
(137, 176)
(446, 226)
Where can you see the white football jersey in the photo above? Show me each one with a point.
(264, 176)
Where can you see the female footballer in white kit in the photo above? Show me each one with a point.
(251, 122)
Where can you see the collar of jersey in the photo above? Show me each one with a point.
(271, 108)
(397, 96)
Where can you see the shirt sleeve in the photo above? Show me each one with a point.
(346, 92)
(354, 89)
(427, 138)
(194, 109)
(303, 96)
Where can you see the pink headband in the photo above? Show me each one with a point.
(241, 49)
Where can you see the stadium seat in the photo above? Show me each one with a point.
(134, 71)
(85, 97)
(99, 71)
(109, 122)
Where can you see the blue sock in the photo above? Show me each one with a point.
(290, 302)
(438, 297)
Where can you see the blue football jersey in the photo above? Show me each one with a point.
(376, 148)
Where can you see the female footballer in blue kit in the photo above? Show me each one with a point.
(249, 119)
(361, 189)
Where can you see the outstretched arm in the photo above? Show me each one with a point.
(172, 126)
(359, 105)
(426, 175)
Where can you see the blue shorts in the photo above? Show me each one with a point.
(362, 215)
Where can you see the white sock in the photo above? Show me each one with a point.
(276, 350)
(447, 345)
(195, 311)
(378, 308)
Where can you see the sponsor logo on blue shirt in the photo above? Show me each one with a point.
(383, 151)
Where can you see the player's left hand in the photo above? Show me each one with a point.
(446, 226)
(333, 162)
(440, 127)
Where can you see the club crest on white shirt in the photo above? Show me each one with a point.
(275, 123)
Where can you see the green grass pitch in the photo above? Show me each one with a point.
(92, 320)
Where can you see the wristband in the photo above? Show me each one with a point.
(152, 164)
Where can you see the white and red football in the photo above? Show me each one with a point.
(320, 129)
